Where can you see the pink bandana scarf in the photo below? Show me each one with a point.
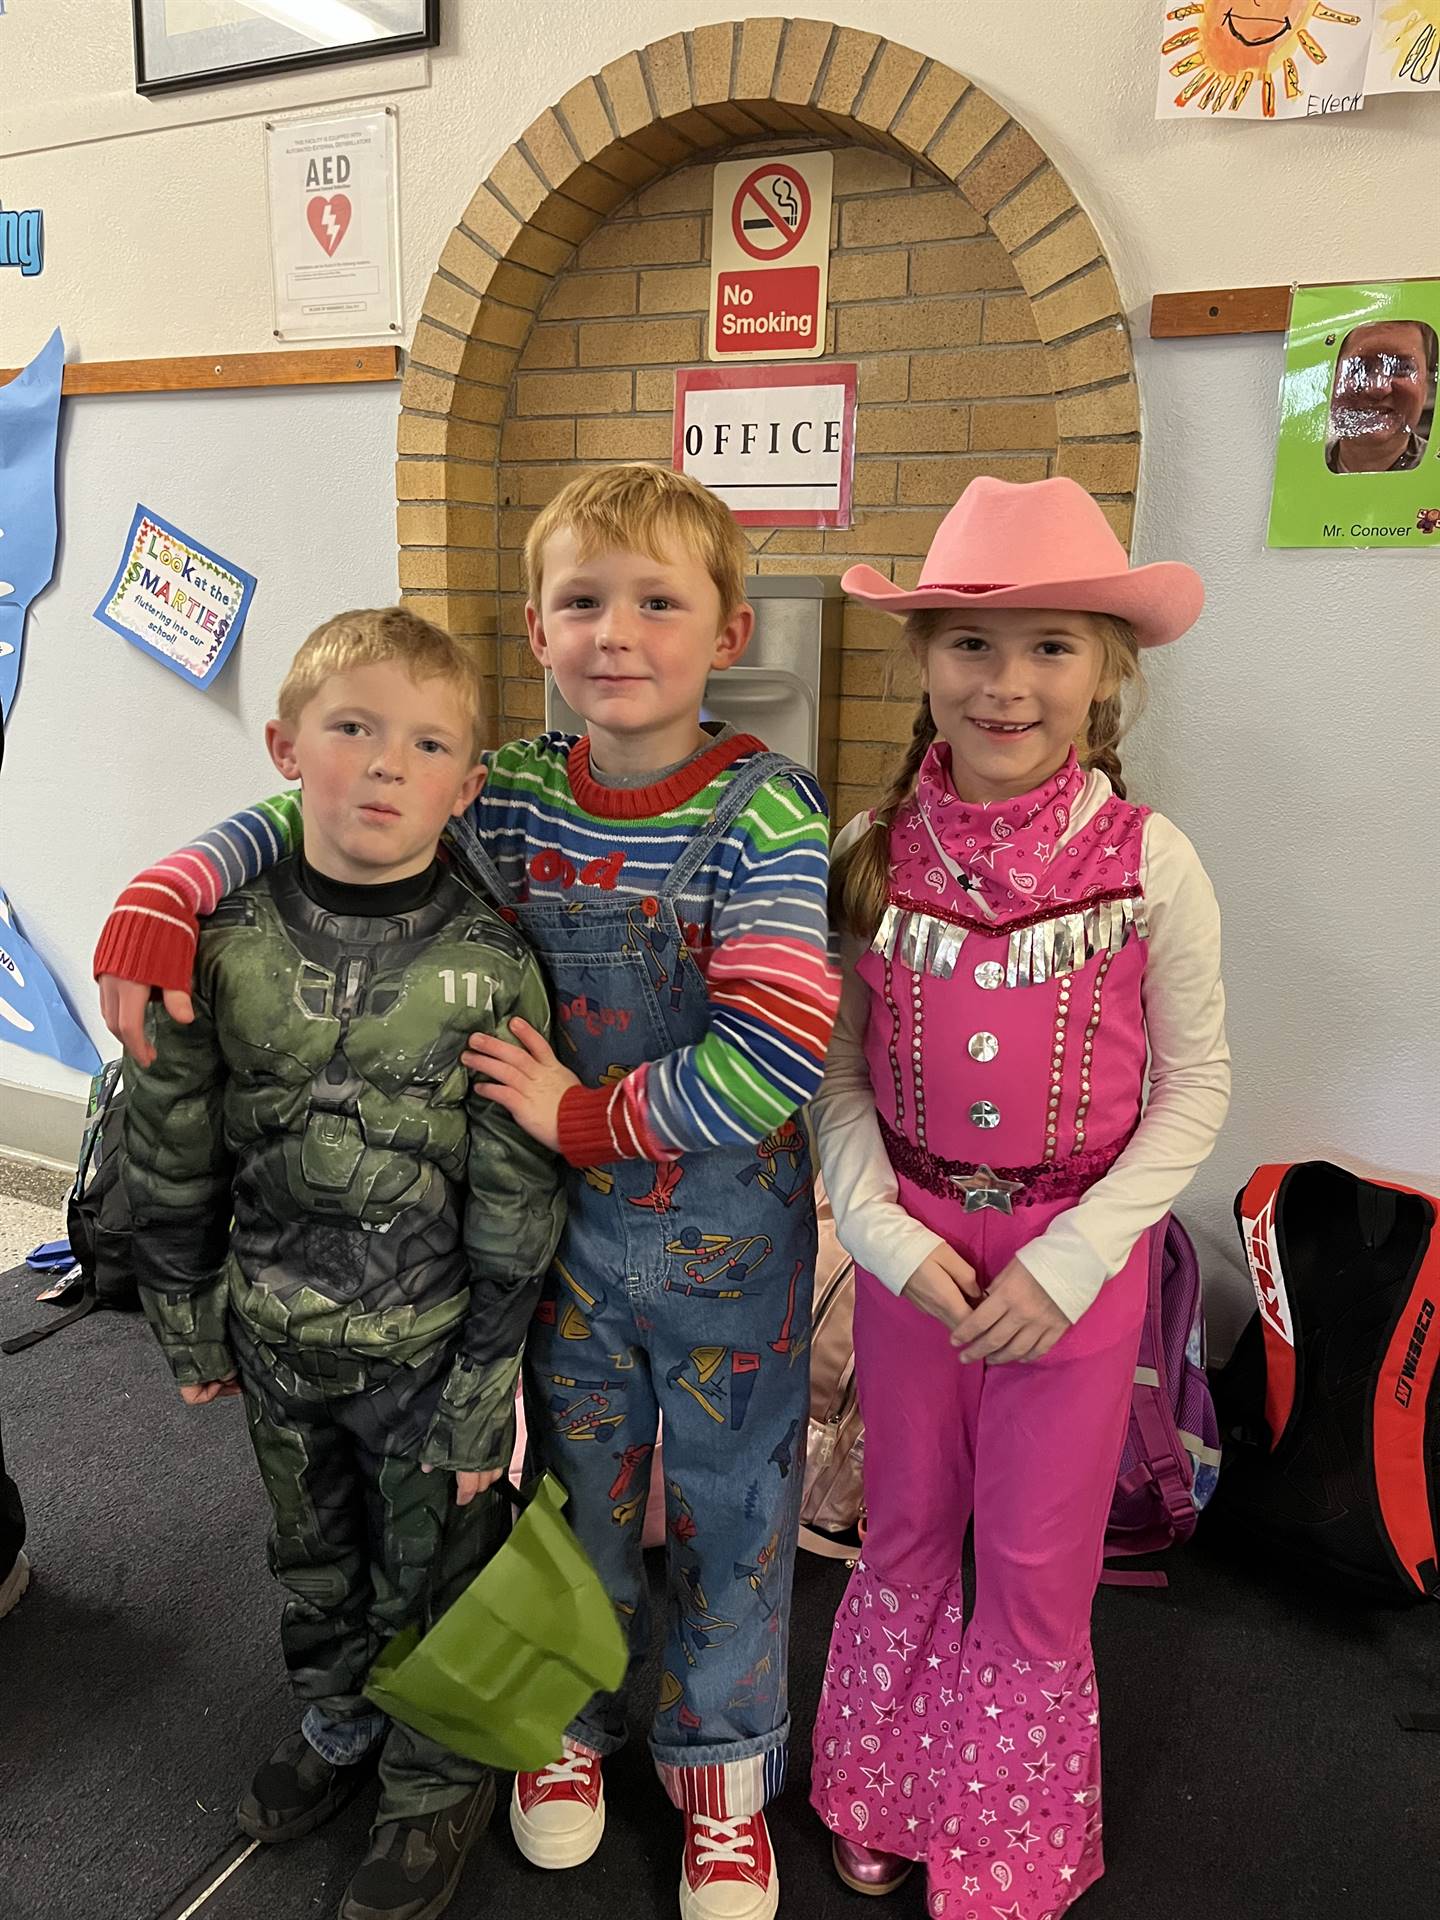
(1010, 855)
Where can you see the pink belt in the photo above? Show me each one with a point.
(1047, 1180)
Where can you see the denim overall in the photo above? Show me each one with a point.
(680, 1289)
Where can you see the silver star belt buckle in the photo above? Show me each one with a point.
(985, 1189)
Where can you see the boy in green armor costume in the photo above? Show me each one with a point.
(329, 1221)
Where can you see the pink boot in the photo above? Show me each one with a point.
(867, 1869)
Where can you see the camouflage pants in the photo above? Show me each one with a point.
(364, 1541)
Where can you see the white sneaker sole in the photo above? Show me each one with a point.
(694, 1906)
(14, 1583)
(543, 1847)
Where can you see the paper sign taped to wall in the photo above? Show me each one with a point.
(1358, 460)
(176, 599)
(333, 242)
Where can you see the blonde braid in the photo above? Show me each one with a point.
(860, 878)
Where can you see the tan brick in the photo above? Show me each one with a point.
(518, 286)
(511, 573)
(524, 699)
(755, 66)
(806, 44)
(421, 433)
(932, 101)
(1001, 168)
(585, 296)
(600, 192)
(674, 289)
(910, 323)
(691, 190)
(1033, 207)
(636, 438)
(791, 540)
(664, 61)
(533, 486)
(929, 213)
(1067, 248)
(1012, 424)
(626, 164)
(584, 115)
(515, 523)
(632, 343)
(879, 531)
(549, 149)
(710, 51)
(549, 347)
(469, 262)
(869, 629)
(884, 676)
(890, 80)
(960, 266)
(912, 429)
(486, 404)
(488, 221)
(982, 373)
(425, 391)
(643, 243)
(1107, 410)
(654, 392)
(800, 563)
(1080, 304)
(886, 378)
(623, 81)
(422, 567)
(1102, 355)
(874, 484)
(863, 170)
(941, 482)
(538, 440)
(696, 126)
(476, 360)
(517, 182)
(445, 526)
(435, 349)
(1007, 320)
(1101, 466)
(463, 438)
(906, 574)
(1121, 515)
(502, 326)
(864, 765)
(880, 720)
(664, 148)
(449, 304)
(850, 60)
(469, 481)
(541, 251)
(868, 276)
(563, 219)
(975, 121)
(572, 392)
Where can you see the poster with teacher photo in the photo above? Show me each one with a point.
(1357, 463)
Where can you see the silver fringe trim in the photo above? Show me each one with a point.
(1046, 951)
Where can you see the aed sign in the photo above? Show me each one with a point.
(770, 258)
(776, 443)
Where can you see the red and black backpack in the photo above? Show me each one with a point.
(1331, 1401)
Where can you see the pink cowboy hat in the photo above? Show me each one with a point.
(1042, 543)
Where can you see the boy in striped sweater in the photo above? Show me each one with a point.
(671, 875)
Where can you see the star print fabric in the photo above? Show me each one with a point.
(975, 1747)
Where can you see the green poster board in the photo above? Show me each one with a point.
(1358, 458)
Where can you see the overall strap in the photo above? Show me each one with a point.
(733, 802)
(474, 859)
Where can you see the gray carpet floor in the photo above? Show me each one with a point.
(1253, 1764)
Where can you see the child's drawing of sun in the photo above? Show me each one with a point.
(1221, 49)
(1407, 37)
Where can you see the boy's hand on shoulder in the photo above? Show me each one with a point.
(527, 1080)
(945, 1287)
(122, 1008)
(1017, 1320)
(208, 1390)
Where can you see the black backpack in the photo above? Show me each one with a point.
(1330, 1405)
(97, 1217)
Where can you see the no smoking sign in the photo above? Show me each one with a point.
(770, 258)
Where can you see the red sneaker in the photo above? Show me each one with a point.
(729, 1871)
(558, 1814)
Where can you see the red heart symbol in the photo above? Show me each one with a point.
(329, 217)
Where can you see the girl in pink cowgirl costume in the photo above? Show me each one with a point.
(1019, 936)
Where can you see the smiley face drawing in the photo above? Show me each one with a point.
(1220, 50)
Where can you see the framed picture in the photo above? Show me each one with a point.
(203, 43)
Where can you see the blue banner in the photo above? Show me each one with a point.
(33, 1012)
(29, 418)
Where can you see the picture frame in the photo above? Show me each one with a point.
(182, 45)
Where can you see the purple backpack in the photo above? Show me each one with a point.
(1172, 1450)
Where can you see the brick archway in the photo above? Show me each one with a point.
(685, 99)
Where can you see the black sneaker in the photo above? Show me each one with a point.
(296, 1791)
(413, 1866)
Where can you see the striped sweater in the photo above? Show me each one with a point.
(754, 918)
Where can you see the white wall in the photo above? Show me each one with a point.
(1285, 735)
